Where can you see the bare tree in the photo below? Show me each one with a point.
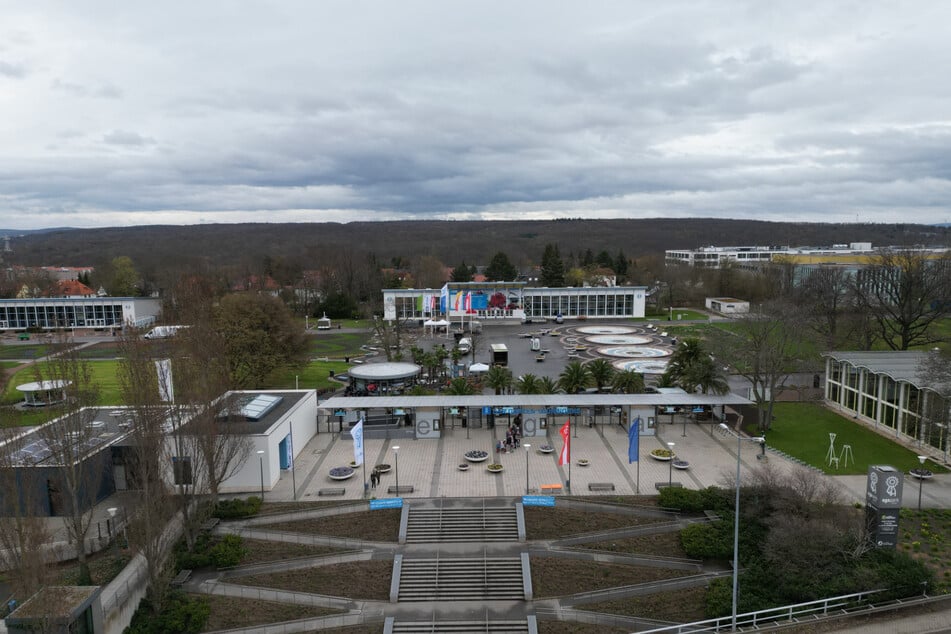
(25, 535)
(80, 466)
(146, 460)
(905, 291)
(765, 348)
(826, 294)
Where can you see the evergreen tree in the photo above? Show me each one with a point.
(461, 273)
(588, 258)
(500, 269)
(553, 269)
(620, 265)
(605, 260)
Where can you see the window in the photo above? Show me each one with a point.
(182, 469)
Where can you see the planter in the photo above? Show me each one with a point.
(463, 466)
(476, 455)
(383, 468)
(341, 473)
(353, 465)
(680, 464)
(495, 468)
(664, 455)
(584, 462)
(546, 449)
(921, 474)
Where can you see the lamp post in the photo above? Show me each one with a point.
(736, 519)
(527, 447)
(921, 479)
(670, 465)
(396, 465)
(261, 462)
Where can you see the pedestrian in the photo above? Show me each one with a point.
(374, 477)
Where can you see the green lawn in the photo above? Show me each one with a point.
(802, 430)
(104, 374)
(337, 345)
(315, 375)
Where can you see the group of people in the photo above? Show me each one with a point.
(513, 437)
(374, 478)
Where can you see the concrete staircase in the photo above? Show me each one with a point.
(461, 579)
(459, 627)
(483, 524)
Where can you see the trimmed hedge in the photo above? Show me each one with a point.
(237, 509)
(183, 614)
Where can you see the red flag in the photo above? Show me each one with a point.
(565, 457)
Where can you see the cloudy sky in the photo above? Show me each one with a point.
(130, 113)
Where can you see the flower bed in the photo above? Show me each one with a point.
(546, 449)
(383, 468)
(921, 474)
(583, 462)
(495, 468)
(680, 464)
(476, 455)
(463, 466)
(341, 473)
(664, 455)
(353, 464)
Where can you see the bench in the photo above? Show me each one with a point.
(403, 488)
(182, 577)
(332, 491)
(600, 486)
(209, 524)
(550, 488)
(664, 485)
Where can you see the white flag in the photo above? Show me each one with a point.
(357, 433)
(166, 391)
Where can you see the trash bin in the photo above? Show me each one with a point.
(330, 373)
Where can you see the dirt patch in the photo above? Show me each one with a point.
(232, 612)
(556, 577)
(376, 526)
(275, 508)
(360, 580)
(660, 544)
(567, 627)
(553, 523)
(260, 550)
(679, 606)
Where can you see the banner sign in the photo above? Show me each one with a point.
(386, 503)
(538, 500)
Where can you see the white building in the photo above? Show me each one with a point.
(78, 312)
(713, 257)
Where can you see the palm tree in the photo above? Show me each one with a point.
(459, 386)
(706, 375)
(547, 385)
(574, 378)
(499, 378)
(628, 382)
(527, 384)
(602, 372)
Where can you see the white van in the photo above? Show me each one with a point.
(465, 345)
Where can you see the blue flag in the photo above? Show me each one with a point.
(633, 440)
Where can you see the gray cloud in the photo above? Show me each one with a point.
(337, 111)
(9, 69)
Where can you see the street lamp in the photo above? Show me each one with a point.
(921, 479)
(670, 465)
(261, 461)
(396, 464)
(527, 446)
(736, 518)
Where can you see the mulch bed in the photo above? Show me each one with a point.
(554, 523)
(232, 612)
(660, 544)
(680, 606)
(567, 627)
(376, 526)
(359, 579)
(260, 551)
(555, 576)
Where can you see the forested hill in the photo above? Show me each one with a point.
(449, 241)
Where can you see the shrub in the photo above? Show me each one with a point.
(228, 552)
(237, 509)
(708, 541)
(183, 614)
(686, 500)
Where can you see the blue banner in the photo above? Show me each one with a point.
(538, 500)
(386, 503)
(634, 440)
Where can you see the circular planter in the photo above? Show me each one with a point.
(664, 455)
(383, 468)
(353, 465)
(584, 462)
(476, 455)
(546, 449)
(921, 474)
(680, 464)
(341, 473)
(495, 468)
(463, 467)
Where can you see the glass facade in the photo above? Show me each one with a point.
(79, 314)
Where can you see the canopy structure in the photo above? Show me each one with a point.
(42, 393)
(434, 324)
(478, 367)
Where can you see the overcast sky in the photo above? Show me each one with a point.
(130, 113)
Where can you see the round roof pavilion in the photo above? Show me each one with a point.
(388, 371)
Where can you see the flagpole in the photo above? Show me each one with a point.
(568, 440)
